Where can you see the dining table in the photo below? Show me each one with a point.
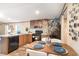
(49, 49)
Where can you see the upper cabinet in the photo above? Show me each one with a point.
(36, 24)
(41, 24)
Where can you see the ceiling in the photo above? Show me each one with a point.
(15, 12)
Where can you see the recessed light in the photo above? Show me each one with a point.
(9, 18)
(37, 12)
(1, 15)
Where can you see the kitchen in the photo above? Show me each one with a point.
(26, 26)
(19, 22)
(17, 31)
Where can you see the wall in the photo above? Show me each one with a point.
(21, 26)
(41, 24)
(70, 30)
(36, 24)
(45, 27)
(64, 25)
(2, 29)
(72, 9)
(10, 28)
(54, 28)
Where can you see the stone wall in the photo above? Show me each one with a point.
(54, 28)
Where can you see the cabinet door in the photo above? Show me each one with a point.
(29, 38)
(21, 40)
(13, 43)
(25, 39)
(4, 45)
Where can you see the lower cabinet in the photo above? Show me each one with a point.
(4, 45)
(24, 39)
(21, 40)
(29, 38)
(13, 43)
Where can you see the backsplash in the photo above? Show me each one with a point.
(41, 24)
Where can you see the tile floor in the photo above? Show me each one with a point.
(19, 52)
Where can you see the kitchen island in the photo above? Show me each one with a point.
(9, 43)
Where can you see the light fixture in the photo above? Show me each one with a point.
(1, 15)
(37, 12)
(9, 18)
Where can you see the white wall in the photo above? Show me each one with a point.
(2, 29)
(66, 38)
(23, 26)
(19, 25)
(73, 43)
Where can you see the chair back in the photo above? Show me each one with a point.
(35, 53)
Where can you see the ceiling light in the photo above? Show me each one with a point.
(37, 12)
(9, 18)
(1, 15)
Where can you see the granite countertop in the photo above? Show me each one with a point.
(8, 35)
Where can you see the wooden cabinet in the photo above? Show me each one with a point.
(4, 45)
(24, 39)
(21, 40)
(29, 36)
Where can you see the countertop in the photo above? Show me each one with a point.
(9, 35)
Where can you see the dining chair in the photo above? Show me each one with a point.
(35, 53)
(52, 55)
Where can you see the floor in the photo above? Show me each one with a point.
(19, 52)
